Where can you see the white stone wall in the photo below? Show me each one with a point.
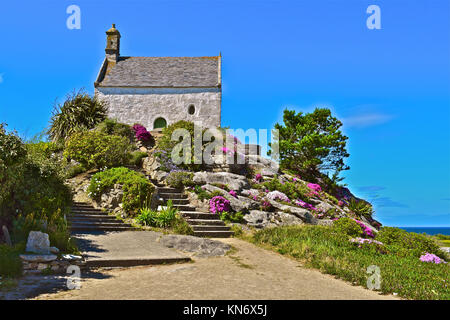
(145, 105)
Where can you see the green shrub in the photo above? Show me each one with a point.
(79, 112)
(10, 262)
(205, 195)
(147, 217)
(137, 189)
(112, 127)
(361, 208)
(347, 226)
(75, 170)
(294, 190)
(180, 179)
(135, 158)
(416, 244)
(180, 226)
(236, 217)
(165, 218)
(166, 144)
(94, 149)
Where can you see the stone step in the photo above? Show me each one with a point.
(210, 228)
(200, 222)
(172, 196)
(87, 228)
(88, 210)
(101, 224)
(91, 216)
(199, 215)
(214, 234)
(169, 190)
(174, 201)
(184, 207)
(87, 221)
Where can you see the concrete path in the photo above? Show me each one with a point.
(126, 249)
(247, 273)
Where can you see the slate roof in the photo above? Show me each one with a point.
(161, 72)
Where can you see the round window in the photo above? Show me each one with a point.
(191, 109)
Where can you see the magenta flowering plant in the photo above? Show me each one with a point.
(233, 193)
(258, 178)
(305, 205)
(315, 187)
(141, 132)
(219, 204)
(430, 257)
(366, 230)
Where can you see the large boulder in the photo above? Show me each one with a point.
(38, 242)
(265, 166)
(233, 181)
(301, 213)
(239, 203)
(201, 247)
(257, 218)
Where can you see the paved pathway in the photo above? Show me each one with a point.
(126, 248)
(248, 273)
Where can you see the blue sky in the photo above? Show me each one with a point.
(391, 87)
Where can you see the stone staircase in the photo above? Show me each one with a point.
(86, 218)
(204, 224)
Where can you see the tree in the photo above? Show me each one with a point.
(312, 143)
(79, 111)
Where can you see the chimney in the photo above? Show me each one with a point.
(112, 44)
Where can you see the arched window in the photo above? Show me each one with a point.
(191, 109)
(159, 123)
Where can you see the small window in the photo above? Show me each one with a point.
(191, 109)
(159, 123)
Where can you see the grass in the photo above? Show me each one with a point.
(7, 284)
(322, 248)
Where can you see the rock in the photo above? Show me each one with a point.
(287, 219)
(6, 236)
(71, 257)
(257, 218)
(33, 258)
(112, 198)
(266, 166)
(42, 266)
(202, 247)
(54, 250)
(38, 242)
(233, 181)
(325, 222)
(303, 214)
(242, 204)
(212, 188)
(143, 149)
(324, 206)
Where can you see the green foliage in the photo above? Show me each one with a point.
(311, 143)
(236, 217)
(79, 112)
(75, 170)
(166, 144)
(294, 190)
(332, 253)
(135, 158)
(10, 262)
(416, 244)
(94, 149)
(31, 179)
(112, 127)
(348, 227)
(203, 194)
(237, 229)
(361, 208)
(137, 189)
(180, 179)
(167, 217)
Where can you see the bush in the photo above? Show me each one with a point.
(361, 208)
(10, 262)
(311, 143)
(202, 194)
(236, 217)
(166, 144)
(112, 127)
(180, 179)
(137, 189)
(293, 190)
(415, 243)
(79, 112)
(94, 149)
(141, 133)
(219, 204)
(348, 226)
(135, 158)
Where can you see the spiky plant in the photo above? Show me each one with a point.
(79, 111)
(361, 208)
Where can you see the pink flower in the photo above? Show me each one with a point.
(233, 193)
(430, 257)
(315, 187)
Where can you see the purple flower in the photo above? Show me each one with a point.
(315, 187)
(141, 133)
(430, 257)
(233, 193)
(259, 178)
(219, 204)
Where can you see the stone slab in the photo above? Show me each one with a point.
(126, 249)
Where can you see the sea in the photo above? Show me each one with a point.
(428, 230)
